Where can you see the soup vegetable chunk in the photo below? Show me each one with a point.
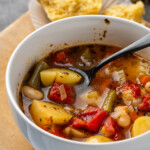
(115, 106)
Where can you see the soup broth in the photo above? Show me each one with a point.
(110, 109)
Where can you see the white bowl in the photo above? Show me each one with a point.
(73, 31)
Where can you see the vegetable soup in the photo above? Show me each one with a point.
(115, 106)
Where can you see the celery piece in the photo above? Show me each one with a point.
(110, 101)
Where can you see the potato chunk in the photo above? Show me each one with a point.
(141, 125)
(44, 113)
(64, 76)
(98, 139)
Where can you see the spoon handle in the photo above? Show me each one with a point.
(138, 45)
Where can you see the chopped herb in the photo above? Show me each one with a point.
(66, 73)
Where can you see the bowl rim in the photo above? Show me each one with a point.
(31, 123)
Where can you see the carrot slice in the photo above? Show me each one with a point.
(144, 79)
(134, 115)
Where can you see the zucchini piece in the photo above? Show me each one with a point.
(110, 101)
(34, 81)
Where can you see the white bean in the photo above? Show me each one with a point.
(124, 120)
(147, 86)
(118, 111)
(127, 95)
(121, 108)
(32, 93)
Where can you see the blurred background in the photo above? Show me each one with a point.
(10, 10)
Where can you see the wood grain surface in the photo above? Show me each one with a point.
(10, 136)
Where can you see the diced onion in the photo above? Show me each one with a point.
(62, 91)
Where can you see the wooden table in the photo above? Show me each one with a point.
(10, 136)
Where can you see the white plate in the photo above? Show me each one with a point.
(39, 18)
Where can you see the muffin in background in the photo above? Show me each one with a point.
(58, 9)
(132, 12)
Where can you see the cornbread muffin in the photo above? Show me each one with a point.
(132, 12)
(58, 9)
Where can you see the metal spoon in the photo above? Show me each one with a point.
(88, 75)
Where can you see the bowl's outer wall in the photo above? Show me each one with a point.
(73, 31)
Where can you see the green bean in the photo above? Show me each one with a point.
(110, 101)
(34, 81)
(87, 54)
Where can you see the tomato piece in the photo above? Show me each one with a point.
(112, 128)
(56, 95)
(145, 105)
(62, 58)
(109, 125)
(125, 87)
(116, 136)
(44, 128)
(58, 131)
(90, 119)
(136, 90)
(144, 79)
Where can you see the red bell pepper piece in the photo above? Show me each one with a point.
(62, 58)
(90, 119)
(144, 79)
(55, 94)
(93, 117)
(145, 105)
(136, 91)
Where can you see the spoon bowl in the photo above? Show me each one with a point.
(88, 75)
